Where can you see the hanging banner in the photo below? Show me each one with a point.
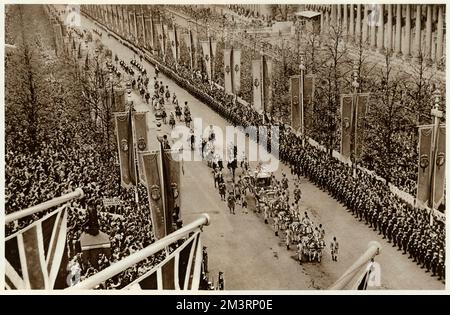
(125, 148)
(257, 86)
(296, 108)
(424, 170)
(159, 31)
(346, 124)
(236, 73)
(207, 57)
(308, 98)
(177, 43)
(267, 88)
(119, 100)
(213, 48)
(194, 46)
(173, 45)
(362, 101)
(153, 177)
(140, 128)
(227, 71)
(171, 172)
(439, 177)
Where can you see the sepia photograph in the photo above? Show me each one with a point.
(243, 146)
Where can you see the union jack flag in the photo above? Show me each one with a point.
(35, 254)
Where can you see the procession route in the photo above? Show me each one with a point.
(246, 249)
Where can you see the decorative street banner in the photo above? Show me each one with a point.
(296, 109)
(173, 45)
(187, 39)
(153, 177)
(140, 128)
(164, 38)
(267, 88)
(228, 71)
(177, 42)
(213, 47)
(236, 72)
(171, 172)
(159, 31)
(362, 101)
(119, 100)
(195, 49)
(257, 86)
(308, 96)
(207, 56)
(346, 124)
(439, 177)
(126, 151)
(424, 171)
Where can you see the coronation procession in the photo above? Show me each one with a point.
(225, 147)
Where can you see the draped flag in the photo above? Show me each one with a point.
(173, 45)
(228, 71)
(346, 124)
(119, 100)
(362, 101)
(296, 108)
(140, 127)
(36, 256)
(159, 31)
(267, 88)
(236, 73)
(424, 171)
(126, 151)
(180, 270)
(439, 175)
(153, 177)
(257, 86)
(165, 30)
(308, 96)
(171, 178)
(207, 56)
(177, 43)
(213, 47)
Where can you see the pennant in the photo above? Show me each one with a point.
(424, 170)
(439, 175)
(257, 86)
(125, 147)
(236, 73)
(296, 108)
(228, 71)
(346, 124)
(153, 177)
(362, 100)
(207, 57)
(36, 256)
(171, 172)
(267, 80)
(177, 271)
(140, 127)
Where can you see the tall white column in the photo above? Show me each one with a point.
(352, 23)
(380, 44)
(389, 28)
(373, 35)
(398, 31)
(418, 39)
(365, 27)
(428, 33)
(407, 49)
(345, 21)
(358, 21)
(440, 33)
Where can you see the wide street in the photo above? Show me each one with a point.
(246, 249)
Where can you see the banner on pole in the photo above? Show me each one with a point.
(346, 124)
(257, 86)
(424, 170)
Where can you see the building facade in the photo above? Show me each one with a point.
(406, 30)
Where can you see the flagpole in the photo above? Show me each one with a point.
(355, 85)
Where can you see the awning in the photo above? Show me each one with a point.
(308, 14)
